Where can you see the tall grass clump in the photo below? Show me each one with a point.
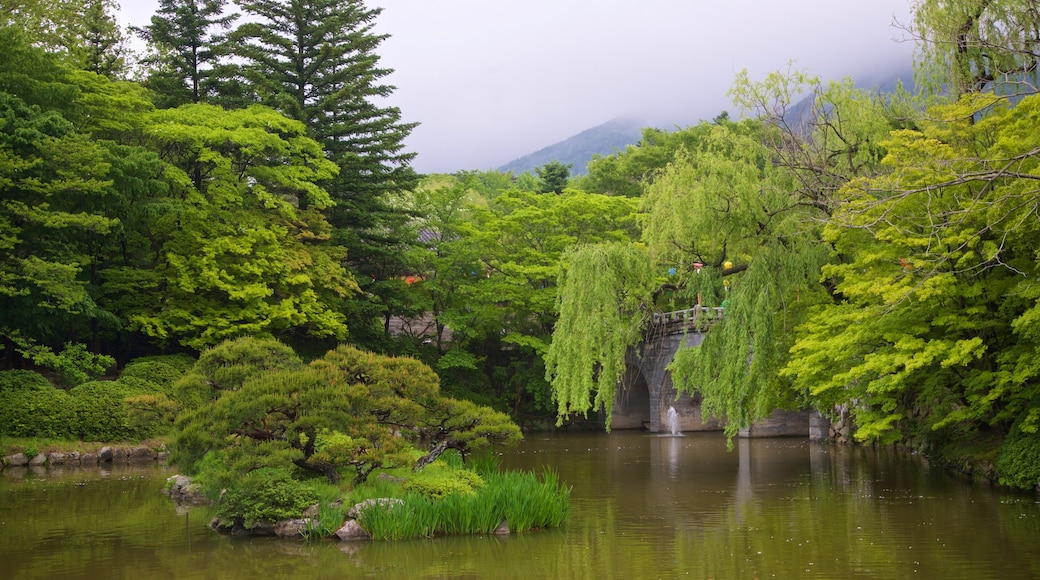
(527, 502)
(522, 499)
(417, 517)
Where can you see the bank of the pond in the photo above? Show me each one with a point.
(83, 455)
(971, 460)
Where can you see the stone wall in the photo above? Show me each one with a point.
(134, 454)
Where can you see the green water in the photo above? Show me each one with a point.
(643, 506)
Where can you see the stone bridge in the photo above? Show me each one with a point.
(646, 391)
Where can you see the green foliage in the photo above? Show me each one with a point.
(151, 415)
(127, 409)
(439, 480)
(329, 47)
(553, 177)
(72, 365)
(605, 293)
(349, 410)
(940, 297)
(228, 365)
(972, 46)
(162, 371)
(16, 380)
(626, 172)
(184, 64)
(248, 255)
(33, 408)
(520, 498)
(264, 495)
(102, 414)
(1019, 463)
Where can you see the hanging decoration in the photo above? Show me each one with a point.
(697, 267)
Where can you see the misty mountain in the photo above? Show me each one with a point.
(619, 133)
(578, 150)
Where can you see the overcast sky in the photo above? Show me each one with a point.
(492, 80)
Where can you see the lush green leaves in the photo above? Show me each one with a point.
(605, 291)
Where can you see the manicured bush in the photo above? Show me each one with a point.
(101, 413)
(31, 407)
(21, 380)
(162, 372)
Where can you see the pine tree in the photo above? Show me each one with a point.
(315, 61)
(186, 49)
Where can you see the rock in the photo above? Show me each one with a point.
(16, 460)
(120, 455)
(181, 489)
(385, 502)
(72, 458)
(352, 531)
(294, 528)
(260, 528)
(502, 529)
(140, 453)
(56, 458)
(38, 459)
(88, 459)
(105, 455)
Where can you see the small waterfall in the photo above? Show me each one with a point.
(673, 421)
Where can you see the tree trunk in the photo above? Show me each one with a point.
(432, 456)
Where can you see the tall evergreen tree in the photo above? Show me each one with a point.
(315, 61)
(186, 41)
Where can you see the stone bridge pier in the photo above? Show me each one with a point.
(646, 390)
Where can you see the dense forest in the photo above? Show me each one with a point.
(877, 252)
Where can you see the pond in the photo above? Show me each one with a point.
(643, 506)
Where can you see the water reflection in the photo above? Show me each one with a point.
(644, 506)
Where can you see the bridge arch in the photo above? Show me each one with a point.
(646, 390)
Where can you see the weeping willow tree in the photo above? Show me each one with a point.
(971, 46)
(735, 221)
(604, 299)
(738, 234)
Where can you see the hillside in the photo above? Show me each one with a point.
(578, 150)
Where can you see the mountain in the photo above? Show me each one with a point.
(578, 150)
(619, 133)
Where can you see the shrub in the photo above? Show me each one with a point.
(439, 480)
(265, 494)
(162, 372)
(1019, 463)
(34, 408)
(101, 413)
(23, 380)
